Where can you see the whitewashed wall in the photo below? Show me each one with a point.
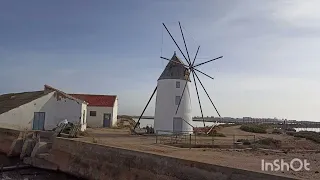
(21, 118)
(166, 107)
(97, 121)
(84, 117)
(115, 113)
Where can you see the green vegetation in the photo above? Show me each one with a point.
(276, 131)
(255, 128)
(310, 135)
(269, 142)
(217, 135)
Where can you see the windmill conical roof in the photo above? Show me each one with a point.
(175, 70)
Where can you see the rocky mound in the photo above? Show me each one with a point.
(125, 122)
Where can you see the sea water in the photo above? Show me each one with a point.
(150, 123)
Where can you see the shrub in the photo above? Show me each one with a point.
(269, 142)
(217, 135)
(310, 135)
(290, 133)
(254, 128)
(276, 131)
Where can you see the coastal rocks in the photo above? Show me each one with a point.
(40, 148)
(16, 147)
(27, 148)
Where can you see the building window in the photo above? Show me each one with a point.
(177, 100)
(177, 84)
(93, 113)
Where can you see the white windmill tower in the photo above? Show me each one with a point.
(173, 103)
(170, 96)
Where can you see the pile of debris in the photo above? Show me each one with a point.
(125, 122)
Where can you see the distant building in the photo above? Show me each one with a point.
(40, 110)
(102, 109)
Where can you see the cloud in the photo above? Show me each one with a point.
(270, 49)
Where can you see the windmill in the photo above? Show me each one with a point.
(173, 106)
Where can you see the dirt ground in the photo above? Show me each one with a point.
(236, 158)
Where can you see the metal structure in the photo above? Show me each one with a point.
(192, 70)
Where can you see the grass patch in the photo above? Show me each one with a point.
(269, 142)
(310, 135)
(276, 131)
(217, 135)
(255, 128)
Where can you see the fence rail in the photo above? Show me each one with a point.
(188, 138)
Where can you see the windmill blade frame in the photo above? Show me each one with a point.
(154, 91)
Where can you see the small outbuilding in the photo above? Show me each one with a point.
(40, 110)
(102, 109)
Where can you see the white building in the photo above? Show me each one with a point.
(102, 109)
(40, 110)
(170, 87)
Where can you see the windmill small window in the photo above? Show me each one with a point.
(177, 84)
(177, 99)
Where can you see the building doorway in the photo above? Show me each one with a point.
(106, 120)
(38, 121)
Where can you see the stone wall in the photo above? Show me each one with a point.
(95, 161)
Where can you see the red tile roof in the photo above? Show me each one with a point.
(96, 100)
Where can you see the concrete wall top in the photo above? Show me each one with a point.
(95, 161)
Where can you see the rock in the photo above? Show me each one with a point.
(16, 147)
(27, 148)
(41, 147)
(40, 163)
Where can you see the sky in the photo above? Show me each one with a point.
(270, 50)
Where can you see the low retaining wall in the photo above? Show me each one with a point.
(7, 137)
(95, 161)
